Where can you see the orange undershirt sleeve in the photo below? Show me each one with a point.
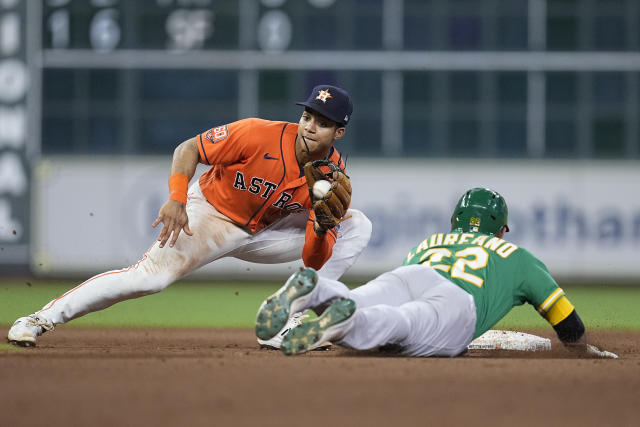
(317, 247)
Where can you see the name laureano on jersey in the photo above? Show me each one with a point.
(500, 246)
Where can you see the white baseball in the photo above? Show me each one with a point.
(320, 188)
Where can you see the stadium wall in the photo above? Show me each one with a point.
(582, 219)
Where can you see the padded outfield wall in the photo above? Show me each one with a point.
(581, 218)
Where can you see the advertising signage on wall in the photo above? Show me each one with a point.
(578, 218)
(14, 165)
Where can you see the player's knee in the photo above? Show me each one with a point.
(420, 316)
(360, 226)
(153, 284)
(158, 269)
(404, 322)
(362, 223)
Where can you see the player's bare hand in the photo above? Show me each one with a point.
(594, 351)
(173, 216)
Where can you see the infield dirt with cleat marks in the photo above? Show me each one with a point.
(202, 377)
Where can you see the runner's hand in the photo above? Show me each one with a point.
(595, 351)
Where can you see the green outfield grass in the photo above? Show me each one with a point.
(223, 305)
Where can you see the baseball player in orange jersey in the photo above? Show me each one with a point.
(252, 204)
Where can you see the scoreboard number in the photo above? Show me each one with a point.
(105, 30)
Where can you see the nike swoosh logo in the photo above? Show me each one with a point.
(268, 157)
(285, 332)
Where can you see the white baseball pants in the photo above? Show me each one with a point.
(412, 307)
(214, 236)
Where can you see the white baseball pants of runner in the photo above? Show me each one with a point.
(412, 307)
(214, 236)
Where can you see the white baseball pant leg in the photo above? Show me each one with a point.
(413, 307)
(283, 240)
(214, 236)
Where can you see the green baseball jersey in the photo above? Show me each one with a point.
(499, 275)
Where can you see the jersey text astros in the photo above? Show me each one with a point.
(255, 179)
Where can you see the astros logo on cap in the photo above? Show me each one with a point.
(323, 95)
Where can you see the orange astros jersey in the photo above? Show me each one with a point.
(255, 178)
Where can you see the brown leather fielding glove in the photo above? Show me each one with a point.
(330, 209)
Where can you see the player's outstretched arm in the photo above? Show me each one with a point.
(173, 214)
(571, 332)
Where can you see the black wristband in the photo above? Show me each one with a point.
(570, 329)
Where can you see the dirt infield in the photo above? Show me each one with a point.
(169, 377)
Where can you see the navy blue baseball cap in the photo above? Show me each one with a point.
(330, 101)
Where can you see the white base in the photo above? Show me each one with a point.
(510, 340)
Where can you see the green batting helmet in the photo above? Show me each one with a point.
(480, 210)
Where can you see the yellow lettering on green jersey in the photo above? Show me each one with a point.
(464, 238)
(436, 255)
(506, 249)
(451, 239)
(424, 245)
(410, 255)
(473, 257)
(493, 243)
(479, 240)
(442, 267)
(436, 239)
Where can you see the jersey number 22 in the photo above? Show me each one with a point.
(473, 258)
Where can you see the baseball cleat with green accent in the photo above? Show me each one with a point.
(332, 325)
(292, 297)
(274, 343)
